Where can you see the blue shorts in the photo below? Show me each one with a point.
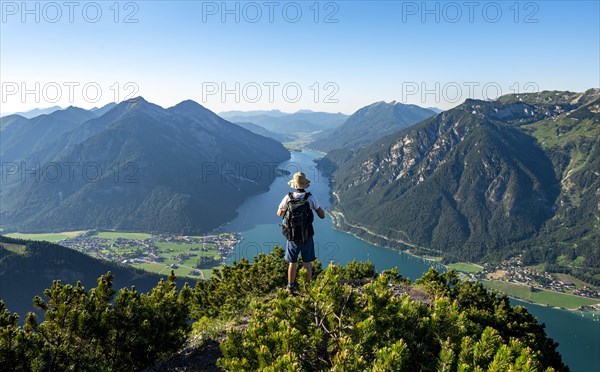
(306, 250)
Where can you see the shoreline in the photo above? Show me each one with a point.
(336, 226)
(588, 311)
(587, 308)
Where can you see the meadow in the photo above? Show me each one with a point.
(540, 296)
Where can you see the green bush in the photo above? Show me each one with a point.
(334, 326)
(346, 319)
(95, 330)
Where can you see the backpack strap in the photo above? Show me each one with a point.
(290, 199)
(291, 196)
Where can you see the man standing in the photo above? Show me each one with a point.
(297, 227)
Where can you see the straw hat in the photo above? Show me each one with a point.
(299, 181)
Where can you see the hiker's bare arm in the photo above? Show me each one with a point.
(320, 213)
(280, 212)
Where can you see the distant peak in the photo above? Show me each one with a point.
(188, 103)
(71, 108)
(138, 103)
(107, 106)
(190, 107)
(65, 111)
(134, 100)
(391, 103)
(380, 104)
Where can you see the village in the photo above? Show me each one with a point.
(513, 271)
(192, 256)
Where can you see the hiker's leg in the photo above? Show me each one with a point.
(291, 256)
(308, 268)
(308, 256)
(292, 272)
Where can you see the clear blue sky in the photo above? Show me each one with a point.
(377, 50)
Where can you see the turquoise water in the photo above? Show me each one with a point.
(578, 334)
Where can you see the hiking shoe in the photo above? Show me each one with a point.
(292, 288)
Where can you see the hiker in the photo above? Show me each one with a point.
(297, 207)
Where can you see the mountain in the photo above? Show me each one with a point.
(249, 114)
(68, 140)
(371, 123)
(11, 122)
(65, 142)
(141, 167)
(26, 139)
(20, 136)
(36, 112)
(264, 132)
(482, 181)
(304, 121)
(99, 111)
(28, 267)
(572, 142)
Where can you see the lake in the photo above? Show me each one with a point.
(577, 333)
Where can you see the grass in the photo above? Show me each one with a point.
(540, 296)
(538, 267)
(578, 283)
(167, 250)
(180, 272)
(15, 248)
(465, 267)
(49, 237)
(176, 247)
(300, 142)
(123, 235)
(572, 131)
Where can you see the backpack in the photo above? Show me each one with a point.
(297, 220)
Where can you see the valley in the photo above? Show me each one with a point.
(415, 192)
(534, 285)
(575, 329)
(188, 256)
(147, 250)
(509, 276)
(482, 182)
(449, 154)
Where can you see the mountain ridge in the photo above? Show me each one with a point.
(30, 114)
(472, 181)
(370, 123)
(289, 124)
(152, 169)
(21, 135)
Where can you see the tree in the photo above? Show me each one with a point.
(356, 324)
(85, 330)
